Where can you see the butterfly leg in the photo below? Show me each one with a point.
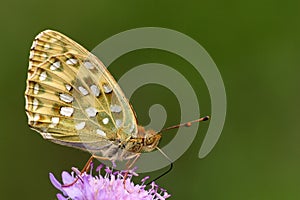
(129, 166)
(85, 168)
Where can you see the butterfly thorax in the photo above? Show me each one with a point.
(146, 141)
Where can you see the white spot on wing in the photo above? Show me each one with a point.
(118, 123)
(95, 90)
(88, 65)
(36, 117)
(115, 108)
(83, 90)
(132, 128)
(53, 40)
(107, 88)
(55, 65)
(35, 104)
(71, 61)
(43, 76)
(36, 88)
(30, 65)
(66, 98)
(68, 87)
(80, 125)
(100, 132)
(47, 135)
(26, 103)
(47, 46)
(31, 55)
(55, 121)
(91, 111)
(66, 111)
(105, 120)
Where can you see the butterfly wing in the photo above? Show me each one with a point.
(71, 98)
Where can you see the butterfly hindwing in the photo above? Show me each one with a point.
(71, 98)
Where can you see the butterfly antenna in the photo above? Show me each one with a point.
(166, 172)
(187, 124)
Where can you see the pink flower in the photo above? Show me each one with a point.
(108, 187)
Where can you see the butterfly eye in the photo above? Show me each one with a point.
(149, 140)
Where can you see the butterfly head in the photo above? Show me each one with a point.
(151, 140)
(146, 141)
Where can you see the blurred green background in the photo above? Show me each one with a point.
(256, 47)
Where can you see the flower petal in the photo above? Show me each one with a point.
(54, 181)
(61, 197)
(66, 178)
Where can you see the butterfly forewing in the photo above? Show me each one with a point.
(71, 98)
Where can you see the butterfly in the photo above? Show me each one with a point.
(73, 100)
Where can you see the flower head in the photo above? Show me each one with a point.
(111, 186)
